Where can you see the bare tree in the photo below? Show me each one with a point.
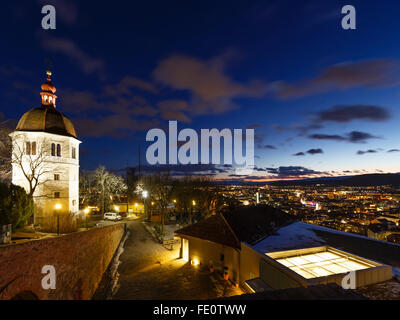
(87, 187)
(5, 152)
(32, 162)
(108, 185)
(160, 187)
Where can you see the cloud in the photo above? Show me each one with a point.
(277, 127)
(83, 60)
(84, 102)
(255, 126)
(212, 90)
(311, 151)
(108, 115)
(340, 114)
(116, 125)
(174, 110)
(126, 84)
(315, 151)
(353, 112)
(359, 137)
(320, 136)
(292, 171)
(394, 150)
(367, 151)
(189, 169)
(267, 146)
(367, 73)
(353, 137)
(299, 154)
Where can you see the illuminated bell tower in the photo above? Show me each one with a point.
(46, 148)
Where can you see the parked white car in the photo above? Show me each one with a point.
(113, 216)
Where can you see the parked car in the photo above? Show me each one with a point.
(113, 216)
(123, 214)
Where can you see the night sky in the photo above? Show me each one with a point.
(323, 101)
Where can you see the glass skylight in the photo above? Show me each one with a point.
(322, 264)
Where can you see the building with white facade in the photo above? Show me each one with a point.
(45, 156)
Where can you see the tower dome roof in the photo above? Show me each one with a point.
(47, 118)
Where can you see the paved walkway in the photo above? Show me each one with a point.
(149, 271)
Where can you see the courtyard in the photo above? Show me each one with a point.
(147, 270)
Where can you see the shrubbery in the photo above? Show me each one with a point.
(16, 206)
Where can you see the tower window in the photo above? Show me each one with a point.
(58, 150)
(33, 148)
(56, 195)
(56, 177)
(30, 148)
(53, 149)
(73, 153)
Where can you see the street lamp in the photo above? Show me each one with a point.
(58, 208)
(145, 194)
(191, 211)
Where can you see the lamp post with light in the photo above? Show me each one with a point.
(145, 194)
(191, 214)
(58, 208)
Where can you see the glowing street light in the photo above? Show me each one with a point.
(86, 211)
(194, 202)
(145, 194)
(58, 208)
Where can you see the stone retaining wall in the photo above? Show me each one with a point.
(79, 259)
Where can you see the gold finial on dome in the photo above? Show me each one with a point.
(48, 92)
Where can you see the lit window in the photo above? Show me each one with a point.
(33, 148)
(28, 148)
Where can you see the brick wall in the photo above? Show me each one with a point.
(80, 260)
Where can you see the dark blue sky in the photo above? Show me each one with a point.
(322, 100)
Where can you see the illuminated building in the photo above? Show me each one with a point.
(46, 147)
